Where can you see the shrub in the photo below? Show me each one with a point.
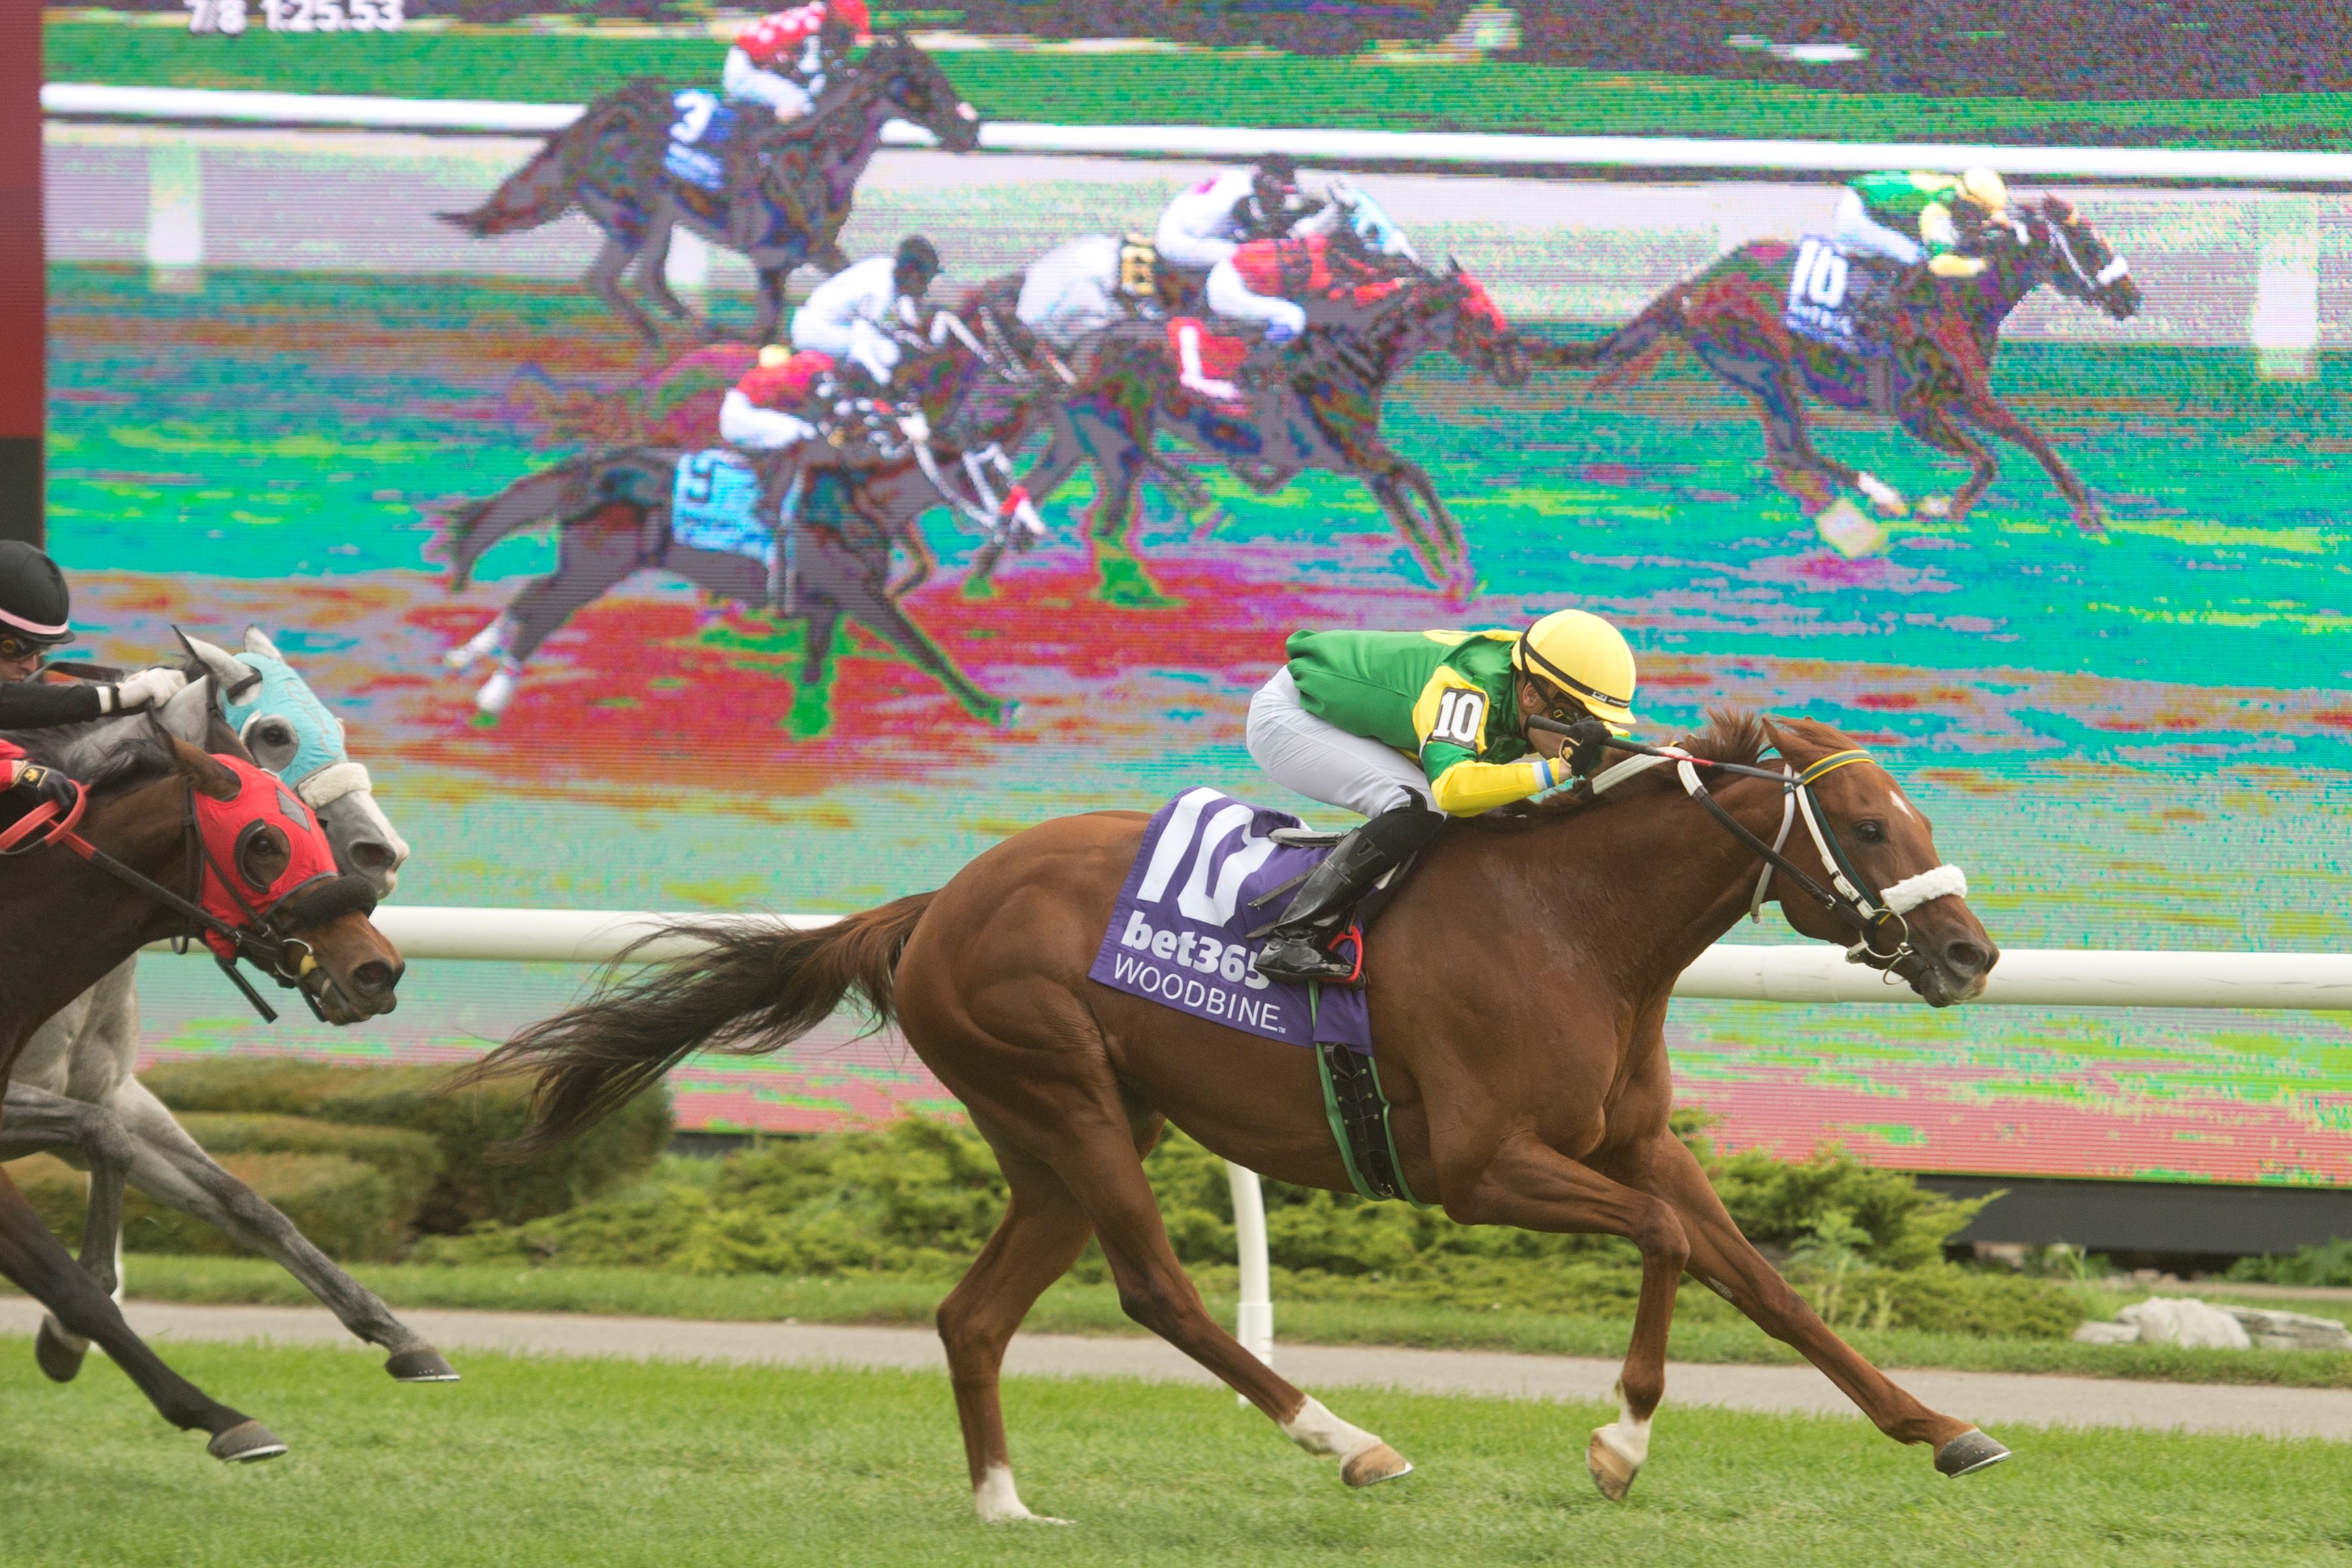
(472, 1187)
(2329, 1263)
(411, 1161)
(351, 1210)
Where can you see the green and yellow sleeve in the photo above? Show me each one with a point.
(1450, 718)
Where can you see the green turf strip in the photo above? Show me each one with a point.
(586, 1464)
(1199, 88)
(1704, 1331)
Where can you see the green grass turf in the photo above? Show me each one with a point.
(585, 1463)
(1703, 1330)
(1199, 88)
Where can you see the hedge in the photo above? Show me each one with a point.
(921, 1197)
(472, 1186)
(350, 1209)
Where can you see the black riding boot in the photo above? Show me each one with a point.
(1295, 947)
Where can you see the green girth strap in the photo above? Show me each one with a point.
(1358, 1114)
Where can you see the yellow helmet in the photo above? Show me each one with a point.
(774, 355)
(1583, 657)
(1984, 188)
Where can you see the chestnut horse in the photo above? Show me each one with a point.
(1519, 997)
(67, 918)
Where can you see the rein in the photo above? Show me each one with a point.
(1876, 917)
(45, 827)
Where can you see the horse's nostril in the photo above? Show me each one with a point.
(375, 977)
(373, 855)
(1965, 958)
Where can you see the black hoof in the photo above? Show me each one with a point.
(1970, 1452)
(59, 1362)
(244, 1443)
(420, 1366)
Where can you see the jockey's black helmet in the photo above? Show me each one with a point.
(918, 255)
(1277, 169)
(34, 606)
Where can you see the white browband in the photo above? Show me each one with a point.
(331, 782)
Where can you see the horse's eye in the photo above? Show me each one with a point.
(1870, 831)
(262, 855)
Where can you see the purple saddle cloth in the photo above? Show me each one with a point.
(1178, 933)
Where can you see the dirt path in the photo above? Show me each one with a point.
(1994, 1399)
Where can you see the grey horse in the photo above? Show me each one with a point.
(73, 1088)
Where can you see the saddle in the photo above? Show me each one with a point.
(699, 135)
(1841, 299)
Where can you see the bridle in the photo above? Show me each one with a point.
(262, 942)
(1876, 917)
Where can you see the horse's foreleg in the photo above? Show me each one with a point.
(1993, 415)
(1421, 517)
(1534, 1186)
(169, 1166)
(653, 273)
(1933, 426)
(1724, 1261)
(765, 329)
(842, 580)
(1041, 1235)
(605, 276)
(31, 1259)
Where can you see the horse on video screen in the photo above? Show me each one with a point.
(784, 192)
(1934, 379)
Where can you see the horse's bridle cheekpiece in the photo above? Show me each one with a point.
(1874, 916)
(232, 924)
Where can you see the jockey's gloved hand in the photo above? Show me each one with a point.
(1584, 746)
(43, 782)
(148, 689)
(1951, 266)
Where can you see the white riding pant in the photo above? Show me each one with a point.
(1229, 296)
(1190, 252)
(745, 424)
(1323, 761)
(741, 80)
(855, 342)
(1855, 231)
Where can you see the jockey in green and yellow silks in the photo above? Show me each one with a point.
(1910, 217)
(1408, 728)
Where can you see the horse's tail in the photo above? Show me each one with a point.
(1626, 355)
(539, 192)
(747, 989)
(470, 530)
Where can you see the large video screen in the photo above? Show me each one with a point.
(281, 381)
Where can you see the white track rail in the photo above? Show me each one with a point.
(1467, 149)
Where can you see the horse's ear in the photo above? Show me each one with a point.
(188, 714)
(233, 677)
(2057, 209)
(258, 641)
(1453, 264)
(203, 771)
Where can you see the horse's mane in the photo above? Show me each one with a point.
(1733, 734)
(99, 752)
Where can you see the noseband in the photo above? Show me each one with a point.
(1874, 917)
(262, 942)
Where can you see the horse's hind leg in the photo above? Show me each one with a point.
(1724, 1261)
(31, 1259)
(1041, 1235)
(38, 1120)
(605, 278)
(594, 555)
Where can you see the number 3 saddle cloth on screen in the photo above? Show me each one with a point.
(1179, 933)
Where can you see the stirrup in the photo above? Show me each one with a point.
(1331, 971)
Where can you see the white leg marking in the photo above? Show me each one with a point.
(1886, 496)
(1626, 1437)
(491, 639)
(1318, 1431)
(999, 1504)
(499, 689)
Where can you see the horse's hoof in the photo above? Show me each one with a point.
(245, 1443)
(1612, 1472)
(1935, 507)
(1376, 1464)
(1970, 1452)
(60, 1360)
(426, 1365)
